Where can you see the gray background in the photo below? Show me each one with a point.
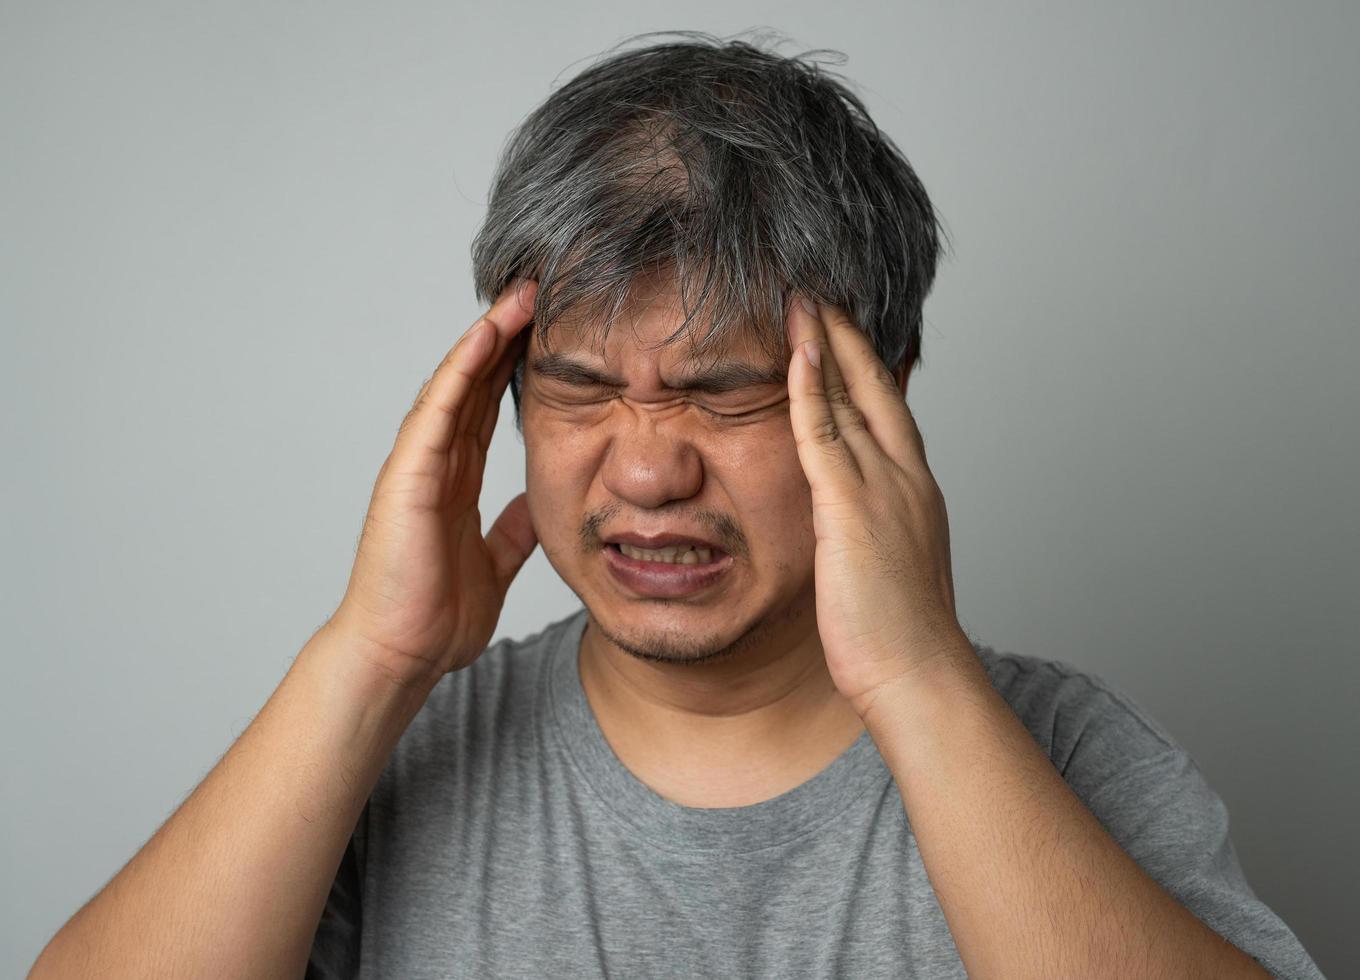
(236, 240)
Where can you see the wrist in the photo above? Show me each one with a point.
(401, 669)
(952, 668)
(360, 673)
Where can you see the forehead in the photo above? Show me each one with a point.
(639, 334)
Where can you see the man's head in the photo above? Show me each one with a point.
(688, 189)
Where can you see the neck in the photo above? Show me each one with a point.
(723, 732)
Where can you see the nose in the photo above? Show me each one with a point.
(649, 467)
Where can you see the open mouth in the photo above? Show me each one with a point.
(670, 575)
(686, 555)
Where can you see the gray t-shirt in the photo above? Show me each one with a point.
(505, 839)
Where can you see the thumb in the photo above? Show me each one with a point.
(511, 541)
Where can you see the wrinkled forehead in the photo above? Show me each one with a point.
(643, 329)
(625, 342)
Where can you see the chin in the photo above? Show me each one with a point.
(676, 633)
(656, 644)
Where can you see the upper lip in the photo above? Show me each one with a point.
(657, 541)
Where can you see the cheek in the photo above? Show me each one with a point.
(558, 470)
(783, 521)
(764, 456)
(557, 455)
(766, 482)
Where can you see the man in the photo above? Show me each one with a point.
(764, 746)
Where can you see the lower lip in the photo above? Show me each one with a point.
(659, 578)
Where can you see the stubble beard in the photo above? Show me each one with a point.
(700, 649)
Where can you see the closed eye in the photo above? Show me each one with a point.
(580, 393)
(575, 389)
(745, 411)
(725, 378)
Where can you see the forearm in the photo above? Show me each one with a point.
(1030, 883)
(234, 883)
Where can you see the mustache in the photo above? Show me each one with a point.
(720, 527)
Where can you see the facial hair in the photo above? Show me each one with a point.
(698, 649)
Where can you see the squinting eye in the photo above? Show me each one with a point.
(584, 395)
(737, 413)
(724, 415)
(577, 394)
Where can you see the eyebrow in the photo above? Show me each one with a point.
(729, 376)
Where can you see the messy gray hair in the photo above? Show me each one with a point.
(743, 173)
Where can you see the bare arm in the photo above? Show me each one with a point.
(1030, 882)
(234, 883)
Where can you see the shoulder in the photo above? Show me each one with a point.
(1149, 795)
(1085, 724)
(509, 664)
(485, 703)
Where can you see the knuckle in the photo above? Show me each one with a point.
(840, 398)
(825, 432)
(845, 405)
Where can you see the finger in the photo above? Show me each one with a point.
(499, 382)
(428, 430)
(471, 421)
(851, 422)
(872, 387)
(511, 540)
(471, 418)
(826, 457)
(527, 289)
(524, 288)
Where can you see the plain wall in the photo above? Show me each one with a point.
(236, 241)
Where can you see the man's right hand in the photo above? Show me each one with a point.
(427, 588)
(273, 816)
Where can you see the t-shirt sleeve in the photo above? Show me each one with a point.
(1163, 812)
(335, 947)
(1160, 808)
(1151, 797)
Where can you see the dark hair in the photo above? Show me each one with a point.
(745, 173)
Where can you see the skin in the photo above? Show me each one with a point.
(724, 699)
(1029, 881)
(427, 586)
(234, 882)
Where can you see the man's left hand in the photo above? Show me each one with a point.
(885, 590)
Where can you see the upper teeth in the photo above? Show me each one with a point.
(679, 555)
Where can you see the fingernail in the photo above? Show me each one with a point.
(808, 304)
(813, 352)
